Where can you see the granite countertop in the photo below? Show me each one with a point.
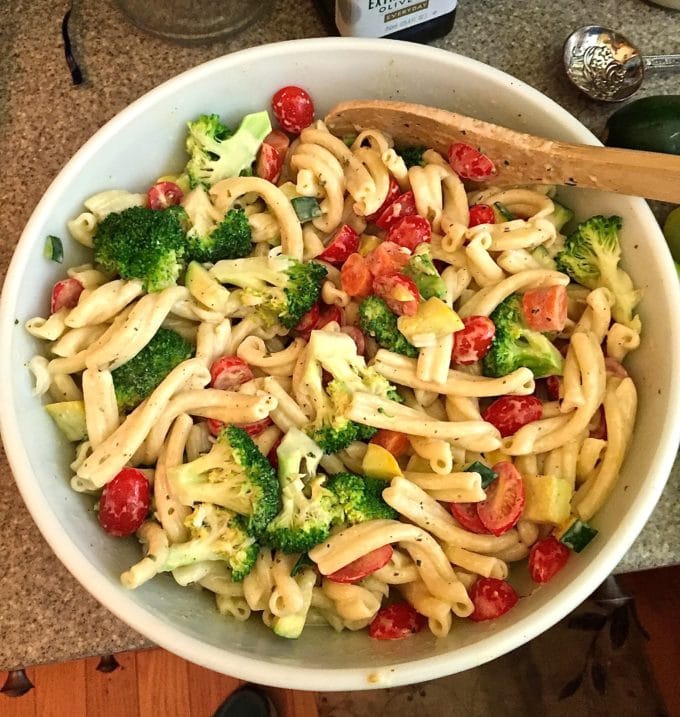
(45, 615)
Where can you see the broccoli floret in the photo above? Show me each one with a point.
(278, 288)
(230, 239)
(422, 270)
(308, 507)
(136, 379)
(591, 257)
(336, 353)
(142, 243)
(412, 156)
(215, 154)
(360, 498)
(216, 534)
(516, 345)
(376, 320)
(234, 475)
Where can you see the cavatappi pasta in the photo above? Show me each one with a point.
(485, 407)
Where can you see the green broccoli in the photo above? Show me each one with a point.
(376, 320)
(135, 380)
(516, 345)
(412, 156)
(422, 270)
(308, 507)
(591, 257)
(336, 353)
(234, 475)
(279, 289)
(360, 498)
(216, 534)
(216, 154)
(142, 243)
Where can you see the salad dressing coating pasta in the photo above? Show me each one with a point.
(424, 459)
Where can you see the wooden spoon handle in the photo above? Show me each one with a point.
(519, 158)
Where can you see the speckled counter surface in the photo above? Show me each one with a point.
(44, 614)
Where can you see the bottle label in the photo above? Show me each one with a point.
(377, 18)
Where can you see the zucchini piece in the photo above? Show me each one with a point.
(54, 249)
(547, 499)
(578, 535)
(304, 561)
(367, 243)
(542, 256)
(379, 463)
(503, 214)
(488, 476)
(306, 208)
(290, 626)
(650, 123)
(204, 288)
(560, 216)
(70, 418)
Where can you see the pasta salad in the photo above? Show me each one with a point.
(336, 381)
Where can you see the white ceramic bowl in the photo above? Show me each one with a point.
(145, 140)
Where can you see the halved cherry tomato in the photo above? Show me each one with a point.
(473, 341)
(398, 620)
(293, 108)
(481, 214)
(393, 441)
(553, 386)
(308, 322)
(615, 367)
(504, 500)
(273, 456)
(229, 372)
(392, 193)
(357, 335)
(252, 429)
(361, 567)
(388, 258)
(399, 292)
(404, 205)
(124, 503)
(345, 241)
(328, 315)
(355, 277)
(546, 558)
(545, 309)
(466, 515)
(510, 413)
(214, 426)
(271, 156)
(469, 163)
(410, 231)
(492, 598)
(163, 195)
(65, 294)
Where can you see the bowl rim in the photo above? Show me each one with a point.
(260, 670)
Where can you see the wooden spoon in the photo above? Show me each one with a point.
(519, 158)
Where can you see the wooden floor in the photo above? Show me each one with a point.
(154, 682)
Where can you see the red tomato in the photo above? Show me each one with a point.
(466, 515)
(504, 500)
(345, 241)
(357, 335)
(214, 426)
(252, 429)
(399, 292)
(273, 456)
(545, 309)
(361, 567)
(469, 163)
(492, 598)
(65, 294)
(271, 156)
(163, 195)
(404, 205)
(330, 314)
(553, 385)
(293, 108)
(355, 277)
(229, 372)
(546, 558)
(392, 194)
(124, 503)
(481, 214)
(473, 341)
(388, 258)
(393, 441)
(410, 231)
(510, 413)
(395, 621)
(308, 322)
(615, 367)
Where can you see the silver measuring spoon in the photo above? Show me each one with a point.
(606, 66)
